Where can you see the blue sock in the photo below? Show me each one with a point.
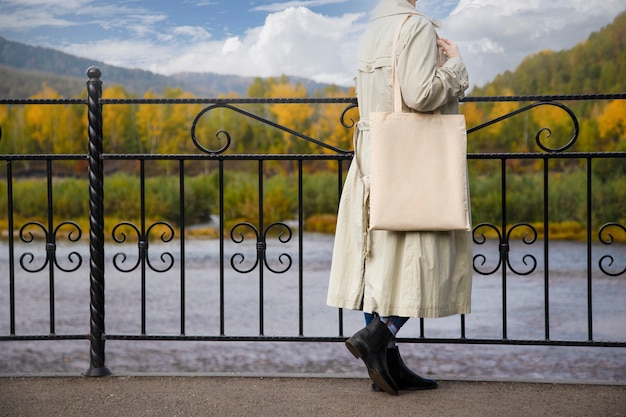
(394, 323)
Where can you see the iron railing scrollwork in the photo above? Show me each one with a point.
(27, 258)
(504, 248)
(143, 243)
(238, 237)
(607, 261)
(542, 133)
(259, 119)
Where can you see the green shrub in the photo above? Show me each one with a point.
(320, 194)
(201, 199)
(71, 197)
(30, 198)
(121, 196)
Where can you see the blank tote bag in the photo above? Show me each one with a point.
(418, 178)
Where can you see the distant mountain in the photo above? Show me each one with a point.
(22, 83)
(23, 69)
(59, 67)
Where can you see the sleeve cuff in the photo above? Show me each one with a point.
(456, 65)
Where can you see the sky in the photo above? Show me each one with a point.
(315, 39)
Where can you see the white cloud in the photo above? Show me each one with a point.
(295, 42)
(280, 6)
(49, 4)
(23, 15)
(193, 33)
(437, 9)
(120, 52)
(23, 20)
(299, 42)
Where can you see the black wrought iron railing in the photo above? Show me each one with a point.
(266, 248)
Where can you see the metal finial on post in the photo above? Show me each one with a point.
(96, 225)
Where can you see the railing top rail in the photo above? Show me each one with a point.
(23, 101)
(236, 100)
(306, 100)
(553, 97)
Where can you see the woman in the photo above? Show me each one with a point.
(392, 276)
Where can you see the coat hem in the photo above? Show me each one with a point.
(342, 303)
(425, 312)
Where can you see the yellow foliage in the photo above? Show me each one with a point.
(4, 113)
(474, 115)
(290, 115)
(612, 121)
(293, 116)
(328, 127)
(501, 109)
(55, 128)
(115, 119)
(149, 125)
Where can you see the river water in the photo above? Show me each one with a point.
(525, 314)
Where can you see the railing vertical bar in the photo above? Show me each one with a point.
(504, 254)
(181, 209)
(50, 249)
(143, 242)
(260, 251)
(339, 191)
(546, 252)
(221, 209)
(96, 226)
(11, 225)
(589, 251)
(462, 326)
(300, 251)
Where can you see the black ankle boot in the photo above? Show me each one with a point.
(403, 376)
(370, 344)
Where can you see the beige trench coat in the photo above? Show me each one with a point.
(415, 274)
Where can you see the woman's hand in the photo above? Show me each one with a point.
(450, 49)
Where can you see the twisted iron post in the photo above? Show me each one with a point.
(96, 225)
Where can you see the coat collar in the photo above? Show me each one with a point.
(395, 7)
(391, 7)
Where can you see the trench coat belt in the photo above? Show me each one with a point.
(363, 126)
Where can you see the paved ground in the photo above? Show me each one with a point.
(210, 395)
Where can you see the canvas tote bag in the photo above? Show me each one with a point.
(418, 178)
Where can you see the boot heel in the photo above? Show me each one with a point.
(353, 349)
(370, 345)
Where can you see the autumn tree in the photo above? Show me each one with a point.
(612, 126)
(294, 116)
(54, 128)
(327, 124)
(612, 137)
(119, 130)
(149, 121)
